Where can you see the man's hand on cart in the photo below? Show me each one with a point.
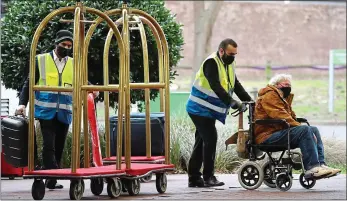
(21, 110)
(96, 94)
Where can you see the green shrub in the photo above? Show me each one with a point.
(182, 142)
(23, 16)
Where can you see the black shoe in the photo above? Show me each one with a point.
(196, 182)
(212, 181)
(52, 184)
(58, 186)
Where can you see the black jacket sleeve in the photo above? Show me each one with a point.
(241, 92)
(24, 95)
(210, 69)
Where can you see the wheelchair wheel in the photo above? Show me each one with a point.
(268, 180)
(250, 175)
(306, 183)
(284, 181)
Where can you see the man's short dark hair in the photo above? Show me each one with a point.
(224, 44)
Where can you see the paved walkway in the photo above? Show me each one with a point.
(326, 189)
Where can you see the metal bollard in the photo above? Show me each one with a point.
(254, 92)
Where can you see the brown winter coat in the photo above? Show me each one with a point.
(271, 105)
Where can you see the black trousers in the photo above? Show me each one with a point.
(54, 135)
(204, 150)
(36, 157)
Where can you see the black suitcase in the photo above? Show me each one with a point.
(138, 134)
(14, 133)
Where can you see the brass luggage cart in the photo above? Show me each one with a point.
(139, 167)
(79, 90)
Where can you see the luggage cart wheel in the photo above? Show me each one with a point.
(38, 190)
(97, 186)
(161, 182)
(114, 187)
(147, 178)
(133, 186)
(76, 189)
(306, 183)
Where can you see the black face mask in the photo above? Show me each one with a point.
(63, 52)
(227, 59)
(286, 91)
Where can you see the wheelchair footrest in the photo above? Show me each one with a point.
(310, 176)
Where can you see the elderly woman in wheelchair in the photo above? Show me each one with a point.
(273, 127)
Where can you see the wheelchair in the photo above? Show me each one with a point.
(276, 172)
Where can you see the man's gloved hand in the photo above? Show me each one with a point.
(238, 106)
(20, 110)
(243, 107)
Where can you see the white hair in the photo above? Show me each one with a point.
(279, 78)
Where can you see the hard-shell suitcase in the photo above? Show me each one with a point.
(9, 171)
(14, 131)
(138, 134)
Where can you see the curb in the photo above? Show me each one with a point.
(330, 123)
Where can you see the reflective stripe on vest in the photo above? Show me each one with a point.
(43, 69)
(53, 105)
(207, 104)
(203, 90)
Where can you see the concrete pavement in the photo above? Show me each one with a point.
(327, 189)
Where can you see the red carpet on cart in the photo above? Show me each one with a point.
(143, 168)
(137, 158)
(103, 170)
(135, 170)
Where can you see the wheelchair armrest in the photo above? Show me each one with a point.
(272, 121)
(302, 120)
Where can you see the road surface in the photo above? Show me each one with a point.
(325, 189)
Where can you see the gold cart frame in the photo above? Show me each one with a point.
(80, 86)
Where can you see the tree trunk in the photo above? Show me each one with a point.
(204, 20)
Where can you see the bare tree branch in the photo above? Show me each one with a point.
(204, 20)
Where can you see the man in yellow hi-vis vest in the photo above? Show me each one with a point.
(52, 109)
(210, 100)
